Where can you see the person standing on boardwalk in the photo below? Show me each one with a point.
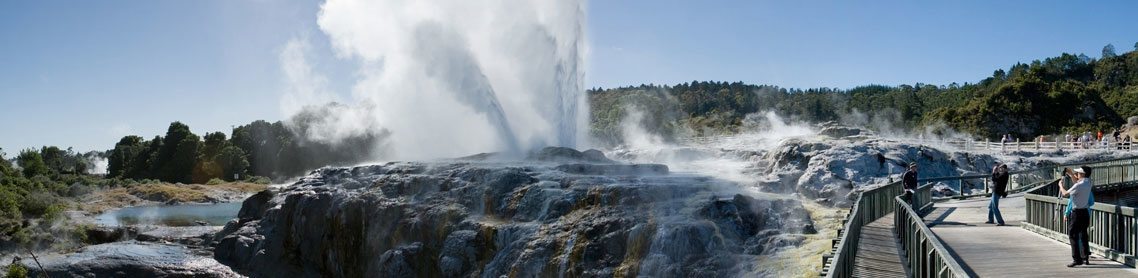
(909, 181)
(1007, 138)
(1078, 215)
(1000, 190)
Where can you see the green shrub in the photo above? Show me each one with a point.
(53, 212)
(37, 203)
(22, 236)
(215, 181)
(16, 270)
(77, 190)
(80, 232)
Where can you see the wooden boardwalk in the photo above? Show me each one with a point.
(987, 250)
(877, 251)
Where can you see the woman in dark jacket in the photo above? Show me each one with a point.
(1000, 190)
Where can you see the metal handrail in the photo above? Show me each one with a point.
(1018, 181)
(926, 256)
(1101, 162)
(1024, 180)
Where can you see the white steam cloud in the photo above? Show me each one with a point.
(634, 133)
(888, 123)
(724, 157)
(451, 77)
(305, 87)
(97, 165)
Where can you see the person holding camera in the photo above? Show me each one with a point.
(909, 182)
(1000, 190)
(1078, 214)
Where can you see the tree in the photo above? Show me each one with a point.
(123, 155)
(214, 142)
(1136, 46)
(261, 142)
(180, 166)
(145, 165)
(1084, 59)
(32, 163)
(999, 74)
(232, 161)
(74, 163)
(5, 165)
(1108, 51)
(174, 135)
(63, 161)
(177, 155)
(53, 157)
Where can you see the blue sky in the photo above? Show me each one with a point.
(86, 73)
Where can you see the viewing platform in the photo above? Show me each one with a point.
(986, 250)
(947, 237)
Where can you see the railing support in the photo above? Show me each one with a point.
(927, 256)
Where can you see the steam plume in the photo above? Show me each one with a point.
(451, 77)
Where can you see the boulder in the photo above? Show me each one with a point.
(129, 259)
(254, 206)
(104, 234)
(563, 154)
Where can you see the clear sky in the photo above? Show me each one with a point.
(86, 73)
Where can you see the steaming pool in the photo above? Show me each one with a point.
(174, 215)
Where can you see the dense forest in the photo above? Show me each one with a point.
(1068, 93)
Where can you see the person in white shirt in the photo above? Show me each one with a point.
(1079, 217)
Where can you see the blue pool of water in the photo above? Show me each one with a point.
(173, 215)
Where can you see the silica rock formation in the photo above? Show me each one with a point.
(562, 212)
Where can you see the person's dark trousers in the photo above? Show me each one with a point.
(908, 197)
(1077, 224)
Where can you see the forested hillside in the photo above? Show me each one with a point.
(275, 150)
(1068, 93)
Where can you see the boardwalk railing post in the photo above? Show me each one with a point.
(1119, 231)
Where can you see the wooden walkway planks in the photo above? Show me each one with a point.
(1010, 251)
(877, 252)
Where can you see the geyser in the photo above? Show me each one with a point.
(449, 78)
